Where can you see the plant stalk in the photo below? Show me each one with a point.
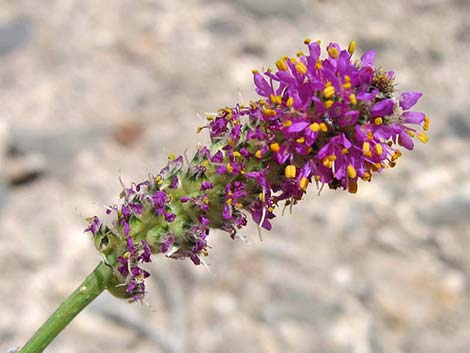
(95, 283)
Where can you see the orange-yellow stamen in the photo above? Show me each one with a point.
(281, 64)
(323, 127)
(269, 112)
(378, 149)
(333, 52)
(328, 103)
(351, 47)
(329, 91)
(315, 127)
(351, 171)
(275, 147)
(303, 184)
(275, 99)
(289, 102)
(301, 68)
(352, 98)
(423, 137)
(290, 171)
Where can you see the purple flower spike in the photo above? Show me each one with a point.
(320, 120)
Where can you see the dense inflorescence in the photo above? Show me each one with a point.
(331, 121)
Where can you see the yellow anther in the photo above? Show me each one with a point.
(426, 124)
(238, 205)
(303, 184)
(307, 41)
(274, 147)
(315, 127)
(333, 52)
(344, 151)
(351, 171)
(323, 127)
(352, 98)
(281, 64)
(392, 164)
(366, 148)
(205, 200)
(378, 121)
(423, 137)
(230, 141)
(258, 154)
(289, 102)
(328, 84)
(261, 196)
(126, 255)
(411, 133)
(269, 112)
(229, 201)
(327, 163)
(300, 140)
(329, 103)
(319, 41)
(370, 135)
(293, 60)
(396, 155)
(347, 78)
(271, 209)
(351, 47)
(199, 129)
(287, 123)
(229, 168)
(300, 53)
(290, 171)
(378, 166)
(367, 176)
(347, 85)
(254, 71)
(237, 154)
(275, 99)
(318, 64)
(378, 149)
(301, 68)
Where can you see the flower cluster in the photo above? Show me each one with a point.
(330, 121)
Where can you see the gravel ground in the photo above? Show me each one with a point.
(94, 90)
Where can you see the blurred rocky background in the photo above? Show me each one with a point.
(95, 90)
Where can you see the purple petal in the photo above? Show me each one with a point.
(382, 108)
(409, 99)
(368, 58)
(413, 117)
(297, 126)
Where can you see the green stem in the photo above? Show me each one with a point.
(92, 286)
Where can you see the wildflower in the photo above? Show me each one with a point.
(334, 121)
